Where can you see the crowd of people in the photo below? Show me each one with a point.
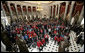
(37, 32)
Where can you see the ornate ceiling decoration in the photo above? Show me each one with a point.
(38, 1)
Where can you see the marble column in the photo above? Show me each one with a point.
(32, 12)
(16, 10)
(21, 15)
(27, 12)
(52, 10)
(70, 13)
(58, 9)
(81, 16)
(3, 10)
(35, 11)
(66, 7)
(11, 14)
(22, 11)
(55, 11)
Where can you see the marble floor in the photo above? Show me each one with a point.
(74, 47)
(50, 47)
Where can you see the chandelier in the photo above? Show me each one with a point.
(39, 7)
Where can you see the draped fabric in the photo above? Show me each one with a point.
(57, 10)
(54, 10)
(29, 9)
(6, 9)
(51, 10)
(62, 10)
(12, 8)
(19, 9)
(24, 9)
(76, 11)
(34, 9)
(77, 8)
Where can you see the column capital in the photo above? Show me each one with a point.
(59, 4)
(15, 5)
(67, 2)
(8, 4)
(21, 5)
(73, 2)
(26, 6)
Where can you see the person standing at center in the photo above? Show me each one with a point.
(46, 37)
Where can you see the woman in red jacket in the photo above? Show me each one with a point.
(55, 38)
(61, 38)
(43, 42)
(41, 31)
(39, 44)
(55, 31)
(18, 32)
(58, 40)
(21, 28)
(34, 37)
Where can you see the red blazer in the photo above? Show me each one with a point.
(29, 35)
(54, 26)
(38, 44)
(33, 26)
(61, 38)
(55, 38)
(55, 32)
(36, 27)
(62, 23)
(43, 41)
(17, 29)
(58, 39)
(62, 27)
(34, 34)
(41, 31)
(21, 28)
(16, 37)
(27, 32)
(45, 36)
(18, 32)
